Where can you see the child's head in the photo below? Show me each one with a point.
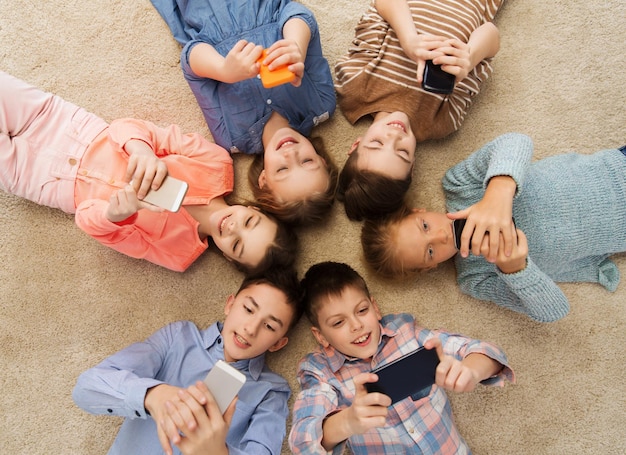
(259, 316)
(252, 239)
(379, 168)
(342, 312)
(407, 240)
(295, 179)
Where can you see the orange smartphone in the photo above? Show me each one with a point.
(280, 75)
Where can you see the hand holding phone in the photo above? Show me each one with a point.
(224, 383)
(457, 229)
(169, 195)
(436, 80)
(406, 376)
(278, 76)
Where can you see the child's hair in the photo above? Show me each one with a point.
(327, 279)
(378, 239)
(285, 279)
(308, 211)
(281, 253)
(369, 195)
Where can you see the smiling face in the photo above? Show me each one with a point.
(243, 234)
(388, 146)
(349, 322)
(424, 239)
(257, 319)
(292, 168)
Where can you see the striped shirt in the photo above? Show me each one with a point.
(423, 426)
(376, 75)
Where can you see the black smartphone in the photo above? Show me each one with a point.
(437, 80)
(457, 229)
(406, 376)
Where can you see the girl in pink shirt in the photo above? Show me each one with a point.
(56, 154)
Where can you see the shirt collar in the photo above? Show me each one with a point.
(213, 340)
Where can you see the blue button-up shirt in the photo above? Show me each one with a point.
(237, 113)
(180, 354)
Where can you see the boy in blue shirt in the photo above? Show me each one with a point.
(145, 380)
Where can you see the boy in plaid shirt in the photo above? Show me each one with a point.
(334, 408)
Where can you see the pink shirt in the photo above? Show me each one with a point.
(167, 239)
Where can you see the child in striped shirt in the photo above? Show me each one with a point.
(381, 75)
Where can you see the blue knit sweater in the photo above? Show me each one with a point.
(572, 209)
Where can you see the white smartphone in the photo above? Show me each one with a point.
(170, 194)
(224, 383)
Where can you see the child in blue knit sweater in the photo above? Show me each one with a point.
(568, 213)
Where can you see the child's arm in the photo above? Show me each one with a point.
(494, 173)
(239, 64)
(368, 410)
(459, 58)
(417, 47)
(194, 424)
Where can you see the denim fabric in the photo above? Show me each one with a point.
(237, 113)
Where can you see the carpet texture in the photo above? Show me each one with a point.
(67, 302)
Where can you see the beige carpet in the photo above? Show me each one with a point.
(67, 302)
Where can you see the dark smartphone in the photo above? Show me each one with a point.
(457, 228)
(406, 376)
(437, 80)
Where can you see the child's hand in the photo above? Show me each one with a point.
(451, 374)
(155, 403)
(196, 415)
(455, 58)
(124, 204)
(241, 62)
(489, 217)
(368, 410)
(421, 48)
(145, 170)
(516, 261)
(286, 52)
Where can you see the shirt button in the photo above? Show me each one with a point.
(83, 172)
(269, 101)
(111, 182)
(72, 161)
(219, 340)
(411, 430)
(137, 414)
(109, 411)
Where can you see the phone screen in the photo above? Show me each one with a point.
(407, 375)
(458, 226)
(437, 80)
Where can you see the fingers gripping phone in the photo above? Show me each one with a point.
(436, 80)
(278, 76)
(406, 376)
(457, 228)
(170, 194)
(224, 383)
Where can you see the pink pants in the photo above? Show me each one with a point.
(42, 141)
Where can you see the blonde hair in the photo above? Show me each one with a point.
(378, 239)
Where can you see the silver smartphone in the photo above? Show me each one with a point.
(224, 383)
(170, 194)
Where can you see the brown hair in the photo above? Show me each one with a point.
(285, 279)
(378, 239)
(324, 280)
(369, 195)
(307, 211)
(281, 253)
